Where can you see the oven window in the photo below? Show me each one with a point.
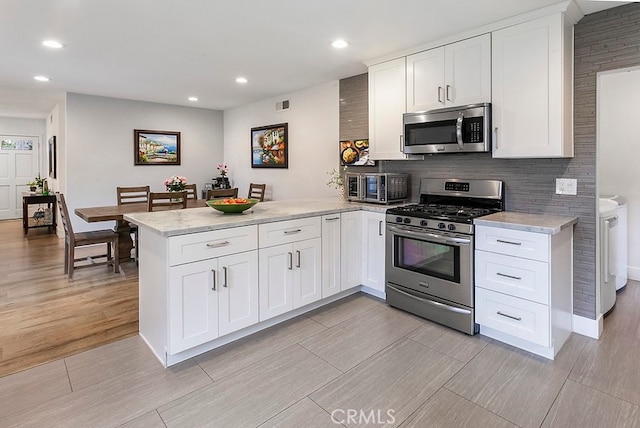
(428, 258)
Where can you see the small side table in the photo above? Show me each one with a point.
(30, 222)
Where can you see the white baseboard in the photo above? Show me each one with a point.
(633, 272)
(587, 326)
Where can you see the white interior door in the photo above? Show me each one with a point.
(18, 166)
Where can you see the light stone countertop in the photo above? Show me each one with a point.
(539, 223)
(194, 220)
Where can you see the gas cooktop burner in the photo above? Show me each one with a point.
(444, 212)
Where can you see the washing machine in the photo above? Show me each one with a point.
(619, 252)
(608, 233)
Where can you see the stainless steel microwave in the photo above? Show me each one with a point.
(379, 188)
(448, 130)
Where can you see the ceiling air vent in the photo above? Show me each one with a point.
(282, 105)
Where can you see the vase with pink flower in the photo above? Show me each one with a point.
(222, 181)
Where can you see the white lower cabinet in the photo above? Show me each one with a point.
(211, 298)
(524, 287)
(351, 249)
(373, 239)
(290, 277)
(331, 255)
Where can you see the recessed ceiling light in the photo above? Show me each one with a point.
(41, 78)
(339, 44)
(53, 44)
(241, 80)
(193, 98)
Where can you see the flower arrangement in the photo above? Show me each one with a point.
(223, 168)
(175, 183)
(37, 182)
(335, 178)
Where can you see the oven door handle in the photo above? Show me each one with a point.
(431, 302)
(437, 238)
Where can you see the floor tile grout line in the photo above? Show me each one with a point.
(482, 407)
(66, 368)
(257, 361)
(554, 400)
(325, 410)
(605, 393)
(320, 358)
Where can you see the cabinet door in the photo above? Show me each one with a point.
(330, 255)
(532, 89)
(351, 248)
(425, 80)
(307, 279)
(193, 305)
(386, 105)
(467, 68)
(276, 280)
(238, 291)
(374, 252)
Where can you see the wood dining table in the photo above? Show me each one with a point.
(116, 213)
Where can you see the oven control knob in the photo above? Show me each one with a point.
(407, 220)
(423, 222)
(398, 219)
(451, 227)
(442, 226)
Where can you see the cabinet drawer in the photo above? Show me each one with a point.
(517, 317)
(528, 279)
(511, 242)
(216, 243)
(285, 232)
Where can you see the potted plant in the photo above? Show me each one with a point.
(36, 184)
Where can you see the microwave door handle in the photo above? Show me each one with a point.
(459, 129)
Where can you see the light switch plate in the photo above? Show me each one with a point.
(566, 186)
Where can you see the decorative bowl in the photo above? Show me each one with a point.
(226, 206)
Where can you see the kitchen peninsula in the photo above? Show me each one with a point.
(208, 278)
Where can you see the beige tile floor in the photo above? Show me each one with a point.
(358, 359)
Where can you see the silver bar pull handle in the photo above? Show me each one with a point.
(502, 241)
(508, 276)
(509, 316)
(439, 96)
(218, 244)
(459, 129)
(401, 143)
(447, 95)
(290, 232)
(495, 137)
(213, 274)
(380, 228)
(290, 261)
(224, 269)
(297, 258)
(607, 227)
(332, 218)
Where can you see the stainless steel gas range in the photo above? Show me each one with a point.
(429, 249)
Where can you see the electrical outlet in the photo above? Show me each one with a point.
(566, 186)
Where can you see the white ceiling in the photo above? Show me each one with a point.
(167, 50)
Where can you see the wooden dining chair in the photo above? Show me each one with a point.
(192, 191)
(132, 195)
(222, 193)
(74, 240)
(159, 201)
(256, 191)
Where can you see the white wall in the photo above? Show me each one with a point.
(619, 149)
(313, 143)
(99, 150)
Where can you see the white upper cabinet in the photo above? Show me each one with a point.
(532, 84)
(451, 75)
(386, 106)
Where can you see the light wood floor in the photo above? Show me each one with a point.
(43, 316)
